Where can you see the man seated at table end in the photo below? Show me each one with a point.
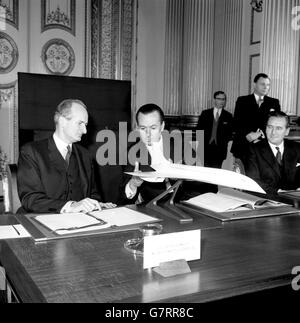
(55, 175)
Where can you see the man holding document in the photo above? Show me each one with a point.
(274, 163)
(153, 151)
(55, 175)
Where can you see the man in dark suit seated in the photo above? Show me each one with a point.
(217, 125)
(274, 163)
(250, 116)
(55, 175)
(155, 148)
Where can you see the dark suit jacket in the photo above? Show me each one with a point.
(148, 190)
(262, 166)
(224, 131)
(42, 176)
(248, 117)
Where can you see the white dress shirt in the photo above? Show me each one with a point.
(257, 98)
(63, 149)
(156, 152)
(274, 150)
(61, 146)
(217, 111)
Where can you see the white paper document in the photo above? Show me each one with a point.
(203, 174)
(229, 199)
(66, 223)
(13, 231)
(171, 246)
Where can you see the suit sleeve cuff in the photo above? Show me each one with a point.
(67, 207)
(129, 192)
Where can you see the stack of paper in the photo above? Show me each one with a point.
(13, 231)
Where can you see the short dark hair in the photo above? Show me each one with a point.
(258, 76)
(64, 108)
(279, 114)
(149, 108)
(219, 92)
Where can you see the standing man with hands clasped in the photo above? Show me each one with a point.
(55, 175)
(250, 116)
(217, 125)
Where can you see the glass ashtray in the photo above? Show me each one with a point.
(136, 246)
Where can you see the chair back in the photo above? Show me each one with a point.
(13, 202)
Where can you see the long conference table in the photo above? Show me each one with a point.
(238, 258)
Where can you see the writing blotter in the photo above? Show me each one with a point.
(54, 226)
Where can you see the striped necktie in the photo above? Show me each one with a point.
(278, 156)
(68, 155)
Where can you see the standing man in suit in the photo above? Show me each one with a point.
(156, 148)
(217, 125)
(250, 116)
(274, 163)
(55, 175)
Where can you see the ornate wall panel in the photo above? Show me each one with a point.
(9, 12)
(9, 116)
(58, 57)
(8, 53)
(111, 38)
(58, 14)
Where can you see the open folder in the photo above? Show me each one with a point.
(227, 200)
(67, 223)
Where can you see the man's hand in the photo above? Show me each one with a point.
(85, 205)
(107, 205)
(254, 136)
(135, 181)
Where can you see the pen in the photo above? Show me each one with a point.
(16, 230)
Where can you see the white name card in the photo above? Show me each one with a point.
(171, 246)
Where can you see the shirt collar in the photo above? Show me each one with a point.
(158, 144)
(219, 111)
(258, 96)
(273, 147)
(61, 145)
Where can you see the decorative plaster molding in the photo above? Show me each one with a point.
(8, 100)
(9, 12)
(58, 57)
(9, 54)
(60, 15)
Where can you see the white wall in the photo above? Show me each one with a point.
(150, 52)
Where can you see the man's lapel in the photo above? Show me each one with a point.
(56, 159)
(84, 176)
(289, 158)
(269, 157)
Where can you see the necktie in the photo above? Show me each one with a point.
(217, 117)
(260, 100)
(68, 155)
(278, 156)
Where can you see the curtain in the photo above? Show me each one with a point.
(230, 49)
(280, 52)
(189, 52)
